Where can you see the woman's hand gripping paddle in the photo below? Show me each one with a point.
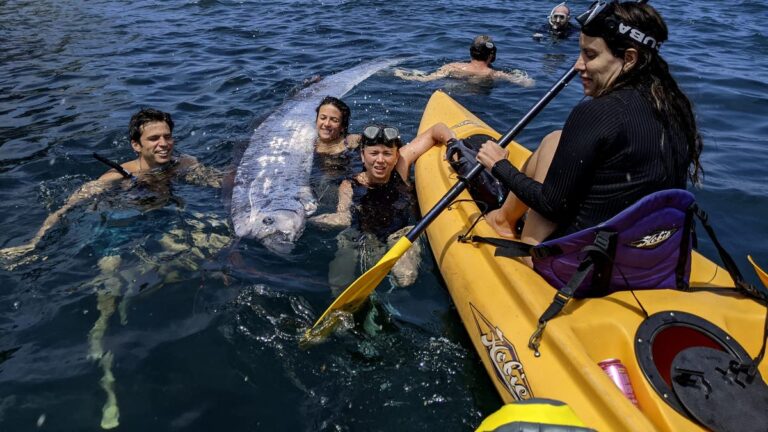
(354, 296)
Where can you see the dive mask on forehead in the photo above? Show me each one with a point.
(601, 21)
(375, 134)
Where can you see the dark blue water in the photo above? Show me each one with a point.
(208, 335)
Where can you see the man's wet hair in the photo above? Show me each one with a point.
(346, 113)
(144, 116)
(483, 49)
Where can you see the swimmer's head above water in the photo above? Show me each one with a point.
(559, 16)
(151, 135)
(483, 48)
(332, 120)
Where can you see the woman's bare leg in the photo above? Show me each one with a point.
(537, 227)
(504, 219)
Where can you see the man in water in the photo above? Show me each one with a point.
(559, 24)
(151, 137)
(482, 54)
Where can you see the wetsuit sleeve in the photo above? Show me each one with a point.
(589, 126)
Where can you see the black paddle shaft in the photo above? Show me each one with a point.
(505, 140)
(462, 184)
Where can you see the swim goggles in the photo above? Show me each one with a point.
(372, 135)
(600, 21)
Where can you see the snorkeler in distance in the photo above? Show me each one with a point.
(482, 55)
(558, 24)
(151, 137)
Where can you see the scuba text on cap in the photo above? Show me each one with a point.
(601, 21)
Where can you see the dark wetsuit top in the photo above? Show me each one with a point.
(382, 209)
(610, 155)
(340, 165)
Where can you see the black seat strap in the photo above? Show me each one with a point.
(730, 265)
(599, 252)
(757, 292)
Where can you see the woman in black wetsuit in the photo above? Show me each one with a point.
(635, 135)
(378, 202)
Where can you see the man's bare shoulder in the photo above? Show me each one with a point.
(453, 67)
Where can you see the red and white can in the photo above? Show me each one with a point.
(618, 373)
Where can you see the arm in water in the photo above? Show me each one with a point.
(517, 76)
(416, 75)
(194, 172)
(343, 215)
(86, 191)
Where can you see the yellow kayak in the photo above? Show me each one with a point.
(500, 300)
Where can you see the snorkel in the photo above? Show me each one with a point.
(115, 166)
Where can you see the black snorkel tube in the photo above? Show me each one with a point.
(114, 166)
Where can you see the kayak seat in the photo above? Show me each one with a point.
(646, 246)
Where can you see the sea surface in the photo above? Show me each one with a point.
(202, 331)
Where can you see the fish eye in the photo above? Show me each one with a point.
(269, 220)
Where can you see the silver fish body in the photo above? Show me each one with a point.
(271, 196)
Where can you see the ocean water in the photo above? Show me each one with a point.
(203, 332)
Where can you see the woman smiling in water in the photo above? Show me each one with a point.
(332, 124)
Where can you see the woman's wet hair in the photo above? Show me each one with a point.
(651, 74)
(341, 106)
(144, 116)
(482, 49)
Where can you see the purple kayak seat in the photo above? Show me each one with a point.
(646, 246)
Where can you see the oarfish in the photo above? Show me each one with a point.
(271, 196)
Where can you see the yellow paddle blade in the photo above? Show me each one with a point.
(355, 294)
(760, 272)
